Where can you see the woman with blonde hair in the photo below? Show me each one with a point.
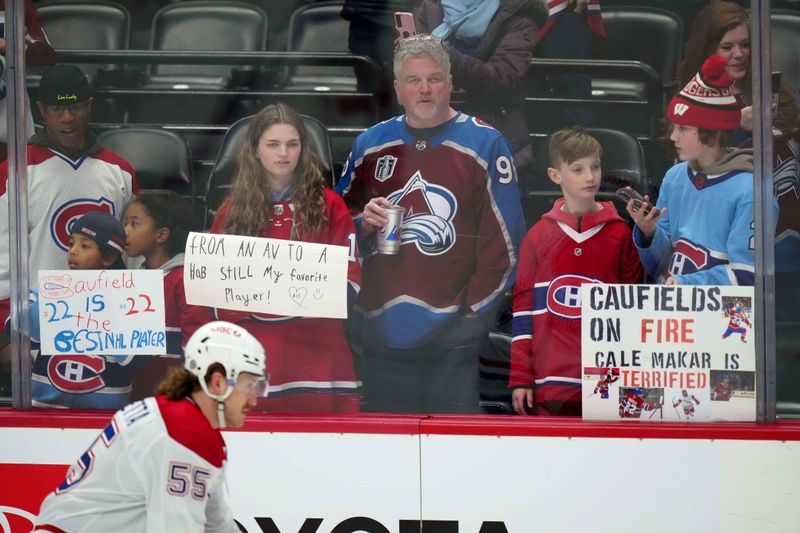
(278, 193)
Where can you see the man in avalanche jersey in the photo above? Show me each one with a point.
(426, 309)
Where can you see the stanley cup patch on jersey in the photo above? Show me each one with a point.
(385, 167)
(429, 213)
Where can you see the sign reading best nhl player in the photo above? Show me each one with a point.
(275, 276)
(106, 312)
(655, 352)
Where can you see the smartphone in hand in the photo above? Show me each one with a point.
(404, 24)
(628, 193)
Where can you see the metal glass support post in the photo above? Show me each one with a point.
(18, 204)
(764, 223)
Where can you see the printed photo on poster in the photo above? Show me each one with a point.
(641, 403)
(605, 378)
(736, 312)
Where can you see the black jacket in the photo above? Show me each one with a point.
(493, 76)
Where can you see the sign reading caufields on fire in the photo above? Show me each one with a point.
(107, 312)
(259, 275)
(652, 352)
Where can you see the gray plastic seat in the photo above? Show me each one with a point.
(204, 25)
(160, 158)
(785, 28)
(319, 27)
(97, 25)
(652, 36)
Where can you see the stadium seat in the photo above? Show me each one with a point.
(96, 25)
(786, 47)
(319, 27)
(787, 337)
(225, 164)
(622, 164)
(204, 25)
(652, 36)
(160, 158)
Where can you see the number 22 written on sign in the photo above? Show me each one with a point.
(148, 305)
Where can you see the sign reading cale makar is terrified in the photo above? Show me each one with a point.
(652, 352)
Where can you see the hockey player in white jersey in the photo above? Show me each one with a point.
(159, 465)
(688, 401)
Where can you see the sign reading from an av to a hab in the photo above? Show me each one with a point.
(652, 352)
(258, 275)
(108, 312)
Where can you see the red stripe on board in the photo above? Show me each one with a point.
(483, 425)
(566, 427)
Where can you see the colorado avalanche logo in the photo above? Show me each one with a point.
(78, 374)
(688, 258)
(428, 221)
(65, 215)
(564, 295)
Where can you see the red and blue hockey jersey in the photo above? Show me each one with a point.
(462, 227)
(159, 465)
(560, 254)
(61, 188)
(180, 320)
(308, 359)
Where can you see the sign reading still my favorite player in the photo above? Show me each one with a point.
(258, 275)
(652, 352)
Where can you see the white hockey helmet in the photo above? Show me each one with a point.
(229, 345)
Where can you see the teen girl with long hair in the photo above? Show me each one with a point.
(278, 193)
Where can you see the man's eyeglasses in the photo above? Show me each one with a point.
(74, 109)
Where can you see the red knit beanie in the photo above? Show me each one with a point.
(706, 101)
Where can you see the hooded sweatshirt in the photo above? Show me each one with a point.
(559, 254)
(706, 236)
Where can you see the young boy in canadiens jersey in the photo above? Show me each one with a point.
(701, 232)
(86, 381)
(579, 241)
(156, 227)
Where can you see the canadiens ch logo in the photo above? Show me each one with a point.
(688, 258)
(428, 222)
(385, 167)
(78, 374)
(564, 295)
(65, 215)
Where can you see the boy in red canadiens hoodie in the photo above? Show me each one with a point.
(579, 241)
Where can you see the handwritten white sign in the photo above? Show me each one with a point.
(652, 352)
(274, 276)
(107, 312)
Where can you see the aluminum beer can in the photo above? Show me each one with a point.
(389, 236)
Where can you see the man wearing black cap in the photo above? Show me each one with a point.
(69, 174)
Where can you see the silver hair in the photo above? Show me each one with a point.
(421, 45)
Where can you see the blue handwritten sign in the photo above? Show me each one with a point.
(109, 312)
